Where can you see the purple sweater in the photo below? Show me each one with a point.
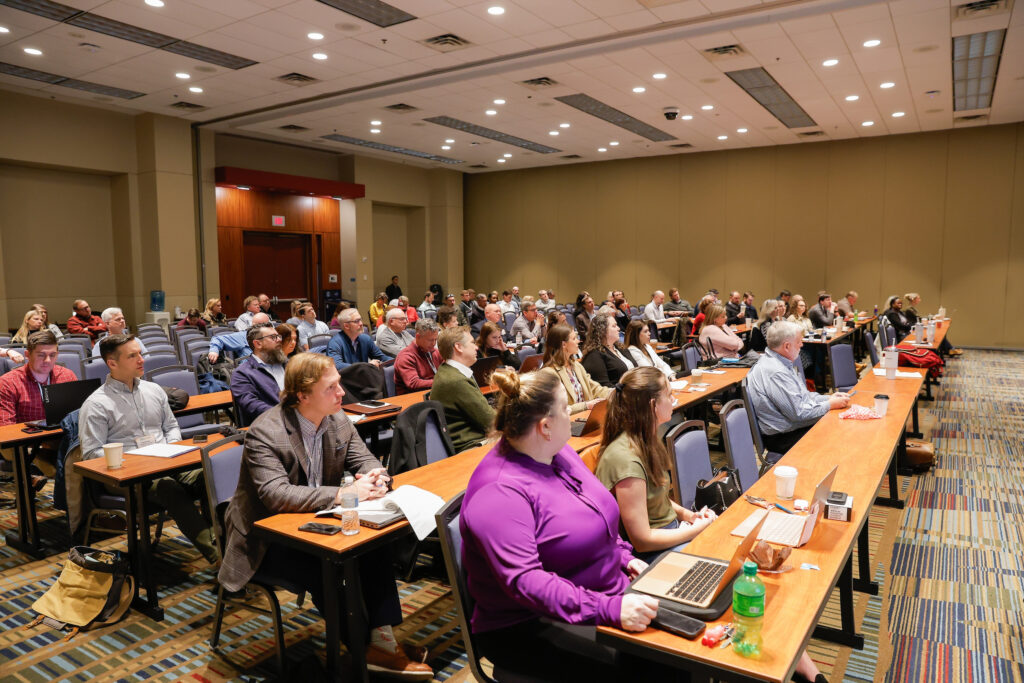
(541, 541)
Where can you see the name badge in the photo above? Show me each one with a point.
(146, 440)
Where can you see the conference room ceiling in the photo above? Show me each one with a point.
(568, 73)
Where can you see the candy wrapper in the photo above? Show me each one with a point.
(858, 412)
(769, 558)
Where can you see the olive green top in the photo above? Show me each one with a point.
(621, 461)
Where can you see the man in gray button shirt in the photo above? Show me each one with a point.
(392, 336)
(133, 412)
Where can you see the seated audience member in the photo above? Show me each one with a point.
(466, 411)
(702, 306)
(214, 313)
(655, 310)
(638, 344)
(735, 310)
(476, 313)
(235, 342)
(560, 350)
(785, 408)
(585, 315)
(113, 318)
(822, 314)
(490, 344)
(759, 333)
(784, 296)
(417, 363)
(508, 304)
(749, 309)
(897, 317)
(603, 359)
(515, 295)
(21, 393)
(192, 319)
(781, 310)
(31, 322)
(267, 307)
(289, 339)
(252, 307)
(554, 317)
(393, 336)
(798, 313)
(410, 311)
(529, 326)
(493, 297)
(84, 322)
(676, 306)
(716, 337)
(539, 552)
(427, 304)
(493, 314)
(913, 300)
(848, 304)
(448, 317)
(295, 458)
(353, 345)
(334, 324)
(634, 464)
(258, 380)
(377, 309)
(623, 313)
(545, 300)
(294, 320)
(46, 321)
(134, 412)
(381, 320)
(309, 326)
(466, 303)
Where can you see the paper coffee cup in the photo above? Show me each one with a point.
(890, 373)
(696, 372)
(881, 404)
(114, 455)
(785, 481)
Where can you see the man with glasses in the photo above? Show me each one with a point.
(352, 345)
(393, 336)
(257, 382)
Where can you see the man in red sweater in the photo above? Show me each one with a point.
(84, 322)
(417, 363)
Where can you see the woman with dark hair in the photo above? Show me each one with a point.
(289, 339)
(894, 313)
(555, 317)
(193, 318)
(342, 305)
(633, 463)
(541, 546)
(560, 349)
(602, 356)
(489, 344)
(638, 344)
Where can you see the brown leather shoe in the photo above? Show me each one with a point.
(38, 482)
(396, 665)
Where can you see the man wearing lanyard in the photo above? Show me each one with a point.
(417, 363)
(129, 410)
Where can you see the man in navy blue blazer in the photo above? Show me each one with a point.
(352, 346)
(258, 380)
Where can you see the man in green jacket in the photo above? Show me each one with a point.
(467, 412)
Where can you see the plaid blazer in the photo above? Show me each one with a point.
(273, 479)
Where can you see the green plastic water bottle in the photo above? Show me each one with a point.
(748, 612)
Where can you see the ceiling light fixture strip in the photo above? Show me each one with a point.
(596, 108)
(767, 92)
(491, 134)
(390, 148)
(976, 59)
(43, 8)
(374, 11)
(64, 81)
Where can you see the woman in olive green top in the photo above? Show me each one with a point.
(634, 463)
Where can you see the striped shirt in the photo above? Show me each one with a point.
(313, 440)
(780, 397)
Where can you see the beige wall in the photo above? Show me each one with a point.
(940, 213)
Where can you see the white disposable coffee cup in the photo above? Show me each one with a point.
(881, 403)
(890, 373)
(696, 372)
(785, 481)
(114, 454)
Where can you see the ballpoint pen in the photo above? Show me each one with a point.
(790, 512)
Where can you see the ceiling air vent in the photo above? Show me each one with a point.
(572, 156)
(970, 118)
(681, 145)
(188, 106)
(297, 79)
(292, 128)
(448, 42)
(981, 8)
(538, 83)
(401, 108)
(811, 134)
(478, 166)
(724, 52)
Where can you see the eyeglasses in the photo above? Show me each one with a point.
(272, 337)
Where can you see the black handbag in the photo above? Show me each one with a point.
(719, 492)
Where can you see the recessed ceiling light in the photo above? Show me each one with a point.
(872, 43)
(614, 143)
(499, 101)
(315, 36)
(375, 130)
(33, 51)
(563, 125)
(708, 107)
(741, 130)
(496, 11)
(374, 123)
(602, 149)
(4, 29)
(491, 112)
(552, 132)
(507, 155)
(723, 137)
(196, 89)
(898, 114)
(830, 62)
(319, 55)
(639, 89)
(501, 161)
(182, 75)
(687, 117)
(868, 124)
(852, 98)
(658, 77)
(446, 147)
(449, 141)
(155, 3)
(887, 85)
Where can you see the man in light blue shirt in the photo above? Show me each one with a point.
(784, 407)
(234, 342)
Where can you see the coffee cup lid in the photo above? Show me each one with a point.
(885, 396)
(785, 471)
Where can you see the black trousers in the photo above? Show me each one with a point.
(376, 577)
(781, 443)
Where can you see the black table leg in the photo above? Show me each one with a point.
(143, 563)
(846, 635)
(27, 538)
(356, 620)
(863, 582)
(893, 501)
(332, 619)
(916, 433)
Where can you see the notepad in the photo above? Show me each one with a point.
(161, 450)
(880, 372)
(418, 505)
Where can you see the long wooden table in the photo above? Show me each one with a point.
(911, 341)
(865, 452)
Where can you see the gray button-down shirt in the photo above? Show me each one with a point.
(780, 397)
(313, 440)
(116, 414)
(391, 343)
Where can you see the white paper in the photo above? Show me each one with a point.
(418, 506)
(714, 372)
(879, 372)
(678, 384)
(161, 450)
(355, 417)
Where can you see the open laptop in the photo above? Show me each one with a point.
(782, 528)
(594, 421)
(61, 399)
(691, 579)
(483, 367)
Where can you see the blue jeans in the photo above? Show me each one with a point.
(650, 556)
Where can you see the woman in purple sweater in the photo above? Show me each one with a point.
(541, 544)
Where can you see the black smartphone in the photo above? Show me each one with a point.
(679, 624)
(32, 429)
(199, 438)
(320, 528)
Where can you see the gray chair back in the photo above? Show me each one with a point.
(869, 339)
(5, 339)
(437, 446)
(159, 359)
(72, 361)
(691, 357)
(739, 444)
(222, 462)
(95, 368)
(319, 341)
(215, 331)
(691, 459)
(769, 458)
(74, 347)
(430, 314)
(389, 380)
(844, 368)
(509, 319)
(525, 353)
(179, 377)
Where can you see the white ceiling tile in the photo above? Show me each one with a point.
(588, 29)
(248, 41)
(904, 7)
(680, 10)
(715, 6)
(923, 27)
(878, 59)
(773, 51)
(179, 21)
(820, 22)
(710, 40)
(547, 38)
(632, 20)
(557, 14)
(21, 24)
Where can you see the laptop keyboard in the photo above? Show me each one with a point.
(699, 582)
(576, 427)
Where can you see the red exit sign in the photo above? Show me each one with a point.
(277, 221)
